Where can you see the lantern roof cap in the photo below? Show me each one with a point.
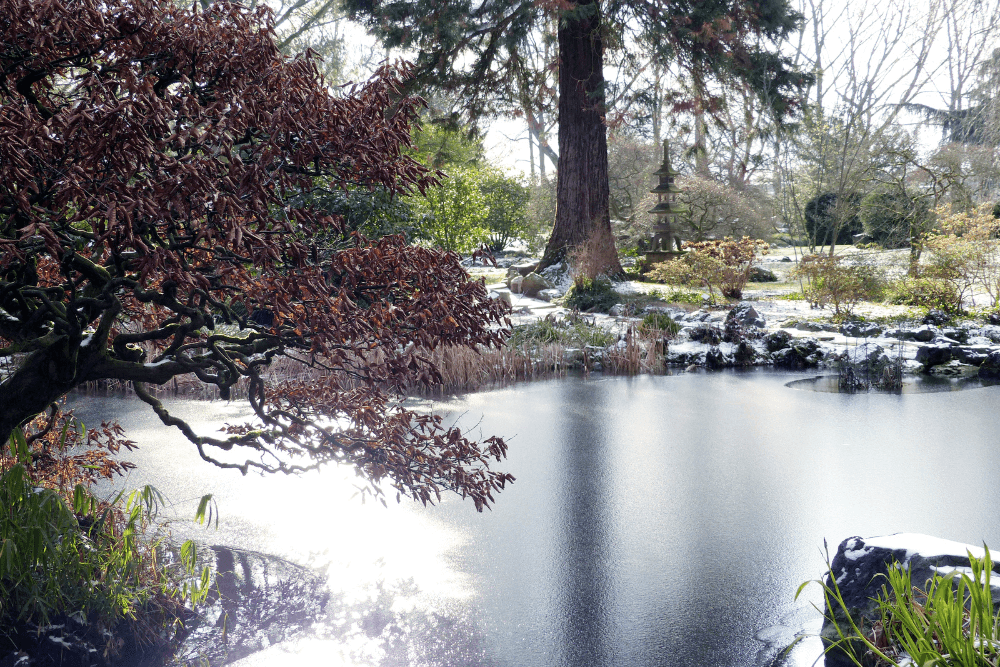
(665, 168)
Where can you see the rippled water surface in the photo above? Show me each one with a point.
(655, 521)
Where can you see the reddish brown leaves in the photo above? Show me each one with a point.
(149, 155)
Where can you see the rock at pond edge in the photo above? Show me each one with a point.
(859, 571)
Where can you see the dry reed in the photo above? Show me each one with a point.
(461, 368)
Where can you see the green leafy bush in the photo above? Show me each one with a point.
(591, 294)
(832, 218)
(892, 218)
(659, 322)
(832, 280)
(934, 293)
(453, 215)
(690, 298)
(65, 553)
(568, 332)
(506, 200)
(372, 212)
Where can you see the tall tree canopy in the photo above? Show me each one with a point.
(147, 157)
(474, 47)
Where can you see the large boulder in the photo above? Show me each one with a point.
(857, 329)
(502, 296)
(800, 353)
(934, 355)
(990, 368)
(935, 316)
(746, 315)
(759, 274)
(777, 340)
(924, 334)
(958, 334)
(524, 268)
(870, 355)
(550, 294)
(859, 570)
(533, 283)
(974, 355)
(901, 333)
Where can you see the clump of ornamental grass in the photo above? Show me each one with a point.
(567, 331)
(950, 622)
(593, 295)
(659, 323)
(67, 555)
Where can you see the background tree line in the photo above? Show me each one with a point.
(894, 110)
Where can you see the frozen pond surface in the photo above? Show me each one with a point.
(655, 521)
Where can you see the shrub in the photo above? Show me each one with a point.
(592, 295)
(690, 298)
(963, 252)
(892, 218)
(453, 214)
(660, 322)
(928, 292)
(506, 200)
(834, 281)
(65, 553)
(725, 264)
(832, 219)
(372, 212)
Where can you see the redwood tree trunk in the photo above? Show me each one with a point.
(582, 193)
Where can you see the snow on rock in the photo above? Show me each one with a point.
(859, 569)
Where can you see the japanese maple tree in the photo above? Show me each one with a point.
(148, 155)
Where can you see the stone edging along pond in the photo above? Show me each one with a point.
(742, 337)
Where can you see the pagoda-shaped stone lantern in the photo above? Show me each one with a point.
(660, 247)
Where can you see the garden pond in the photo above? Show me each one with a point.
(655, 521)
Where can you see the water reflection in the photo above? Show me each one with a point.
(655, 521)
(585, 559)
(914, 384)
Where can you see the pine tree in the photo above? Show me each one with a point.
(471, 48)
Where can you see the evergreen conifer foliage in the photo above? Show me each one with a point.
(148, 157)
(472, 47)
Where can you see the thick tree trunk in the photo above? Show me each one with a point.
(45, 377)
(582, 193)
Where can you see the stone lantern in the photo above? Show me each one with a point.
(660, 247)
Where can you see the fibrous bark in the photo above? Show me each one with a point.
(582, 192)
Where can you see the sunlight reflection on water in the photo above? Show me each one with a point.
(654, 521)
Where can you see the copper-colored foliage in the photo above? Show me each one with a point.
(148, 155)
(63, 454)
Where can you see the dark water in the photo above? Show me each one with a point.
(655, 520)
